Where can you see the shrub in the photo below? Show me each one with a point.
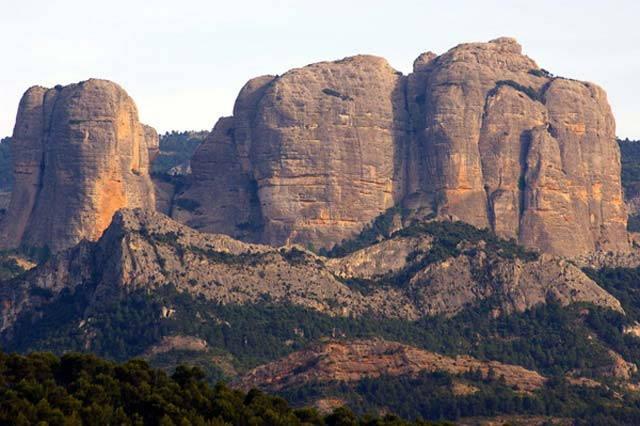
(336, 94)
(527, 90)
(540, 73)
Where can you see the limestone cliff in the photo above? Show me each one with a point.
(479, 133)
(79, 155)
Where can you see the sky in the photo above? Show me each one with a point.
(184, 61)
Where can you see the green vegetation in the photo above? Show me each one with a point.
(431, 396)
(336, 94)
(379, 229)
(630, 159)
(291, 255)
(623, 284)
(11, 261)
(176, 148)
(447, 236)
(541, 73)
(527, 90)
(9, 268)
(447, 241)
(549, 338)
(35, 254)
(187, 204)
(633, 224)
(6, 165)
(82, 389)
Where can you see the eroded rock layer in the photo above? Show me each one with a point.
(479, 133)
(80, 154)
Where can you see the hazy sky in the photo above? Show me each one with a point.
(184, 61)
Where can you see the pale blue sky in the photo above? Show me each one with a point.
(184, 61)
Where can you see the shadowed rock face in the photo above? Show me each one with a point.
(480, 134)
(80, 154)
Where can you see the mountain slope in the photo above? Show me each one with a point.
(457, 300)
(355, 360)
(146, 250)
(82, 389)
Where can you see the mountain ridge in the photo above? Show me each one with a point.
(143, 249)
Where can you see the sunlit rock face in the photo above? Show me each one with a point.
(479, 133)
(80, 154)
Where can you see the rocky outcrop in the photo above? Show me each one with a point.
(147, 250)
(307, 157)
(479, 133)
(619, 367)
(79, 155)
(351, 361)
(454, 283)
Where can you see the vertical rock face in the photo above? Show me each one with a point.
(80, 154)
(479, 133)
(308, 157)
(511, 147)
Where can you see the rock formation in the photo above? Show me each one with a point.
(479, 133)
(79, 155)
(142, 249)
(351, 361)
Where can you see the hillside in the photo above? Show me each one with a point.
(171, 168)
(6, 175)
(175, 152)
(447, 293)
(6, 164)
(427, 269)
(352, 361)
(373, 374)
(630, 159)
(82, 389)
